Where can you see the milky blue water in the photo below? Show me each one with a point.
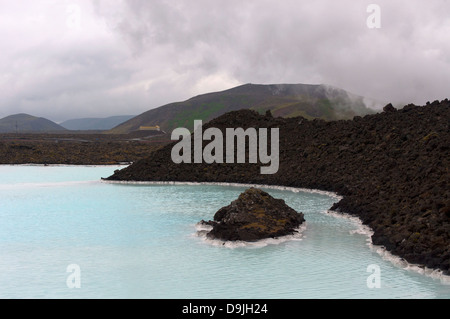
(140, 241)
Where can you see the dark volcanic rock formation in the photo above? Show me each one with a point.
(392, 169)
(253, 216)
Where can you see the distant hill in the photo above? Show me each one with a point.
(284, 100)
(27, 123)
(95, 123)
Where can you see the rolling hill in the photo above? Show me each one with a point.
(284, 100)
(25, 123)
(95, 123)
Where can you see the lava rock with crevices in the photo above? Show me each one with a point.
(391, 170)
(253, 216)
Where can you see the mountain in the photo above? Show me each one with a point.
(27, 123)
(95, 123)
(284, 100)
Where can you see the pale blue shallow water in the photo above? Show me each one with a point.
(139, 241)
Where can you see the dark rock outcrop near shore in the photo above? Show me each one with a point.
(253, 216)
(392, 170)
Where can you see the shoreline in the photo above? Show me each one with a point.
(362, 229)
(389, 167)
(397, 261)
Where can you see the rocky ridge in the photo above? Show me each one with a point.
(391, 168)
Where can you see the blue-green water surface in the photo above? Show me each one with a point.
(140, 241)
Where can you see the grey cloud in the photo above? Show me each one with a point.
(298, 41)
(134, 55)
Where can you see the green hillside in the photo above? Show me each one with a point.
(25, 123)
(284, 100)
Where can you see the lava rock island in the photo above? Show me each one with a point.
(253, 216)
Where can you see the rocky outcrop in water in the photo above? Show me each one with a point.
(253, 216)
(391, 168)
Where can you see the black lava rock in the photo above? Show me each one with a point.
(253, 216)
(391, 168)
(389, 108)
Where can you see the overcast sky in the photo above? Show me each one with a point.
(69, 59)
